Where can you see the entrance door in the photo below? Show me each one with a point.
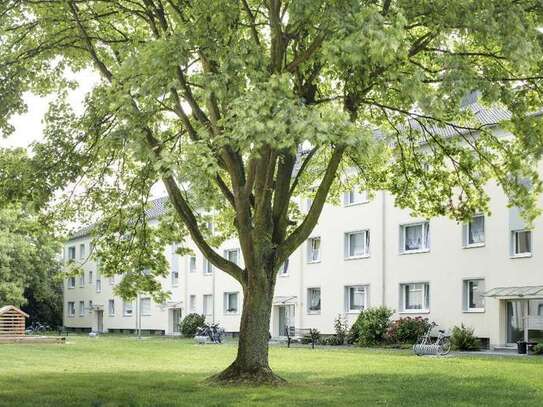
(523, 314)
(176, 320)
(100, 321)
(285, 319)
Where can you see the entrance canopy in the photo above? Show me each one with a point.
(516, 292)
(284, 300)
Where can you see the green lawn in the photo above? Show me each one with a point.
(121, 371)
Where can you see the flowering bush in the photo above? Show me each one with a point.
(407, 330)
(370, 327)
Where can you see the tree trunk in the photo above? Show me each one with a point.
(251, 364)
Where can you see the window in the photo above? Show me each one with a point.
(355, 298)
(111, 280)
(128, 309)
(192, 303)
(98, 285)
(82, 251)
(474, 300)
(283, 268)
(90, 307)
(82, 279)
(415, 237)
(208, 267)
(232, 255)
(231, 303)
(90, 277)
(474, 232)
(192, 264)
(175, 278)
(71, 253)
(354, 197)
(111, 307)
(71, 308)
(71, 282)
(81, 308)
(145, 306)
(357, 244)
(314, 250)
(521, 243)
(415, 297)
(208, 304)
(313, 300)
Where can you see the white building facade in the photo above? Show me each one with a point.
(487, 274)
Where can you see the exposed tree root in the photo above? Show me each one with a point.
(234, 375)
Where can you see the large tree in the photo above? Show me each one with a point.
(241, 107)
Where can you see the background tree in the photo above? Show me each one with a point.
(242, 107)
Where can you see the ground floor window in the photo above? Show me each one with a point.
(192, 303)
(231, 303)
(81, 308)
(355, 298)
(111, 307)
(474, 299)
(145, 304)
(415, 297)
(208, 304)
(71, 308)
(314, 300)
(128, 309)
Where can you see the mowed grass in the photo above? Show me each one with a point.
(122, 371)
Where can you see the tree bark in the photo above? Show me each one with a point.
(251, 365)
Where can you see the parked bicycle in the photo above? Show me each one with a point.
(37, 328)
(211, 332)
(426, 346)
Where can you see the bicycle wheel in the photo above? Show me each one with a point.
(444, 346)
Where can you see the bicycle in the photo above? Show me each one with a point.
(212, 332)
(37, 328)
(441, 346)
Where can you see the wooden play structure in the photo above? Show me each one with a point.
(12, 327)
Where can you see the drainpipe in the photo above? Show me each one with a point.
(383, 248)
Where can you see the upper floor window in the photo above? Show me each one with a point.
(71, 253)
(81, 308)
(521, 243)
(474, 300)
(314, 250)
(415, 237)
(232, 255)
(98, 285)
(145, 306)
(355, 298)
(313, 300)
(82, 279)
(90, 277)
(283, 268)
(175, 278)
(231, 303)
(208, 267)
(128, 309)
(474, 232)
(192, 264)
(71, 282)
(82, 253)
(111, 307)
(357, 244)
(354, 197)
(71, 308)
(415, 297)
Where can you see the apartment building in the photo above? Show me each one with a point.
(486, 274)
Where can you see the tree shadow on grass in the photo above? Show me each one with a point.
(172, 388)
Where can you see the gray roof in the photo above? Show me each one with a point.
(527, 291)
(157, 207)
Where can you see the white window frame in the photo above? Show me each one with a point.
(111, 307)
(466, 294)
(205, 299)
(82, 250)
(71, 282)
(207, 267)
(145, 312)
(348, 306)
(192, 265)
(366, 239)
(425, 231)
(514, 236)
(309, 310)
(466, 233)
(425, 298)
(349, 197)
(71, 309)
(227, 306)
(310, 256)
(227, 253)
(81, 308)
(128, 309)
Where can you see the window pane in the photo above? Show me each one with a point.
(314, 299)
(475, 294)
(476, 230)
(356, 244)
(523, 242)
(356, 298)
(413, 237)
(414, 294)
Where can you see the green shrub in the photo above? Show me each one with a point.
(407, 330)
(538, 349)
(313, 335)
(191, 323)
(462, 338)
(341, 328)
(370, 327)
(332, 340)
